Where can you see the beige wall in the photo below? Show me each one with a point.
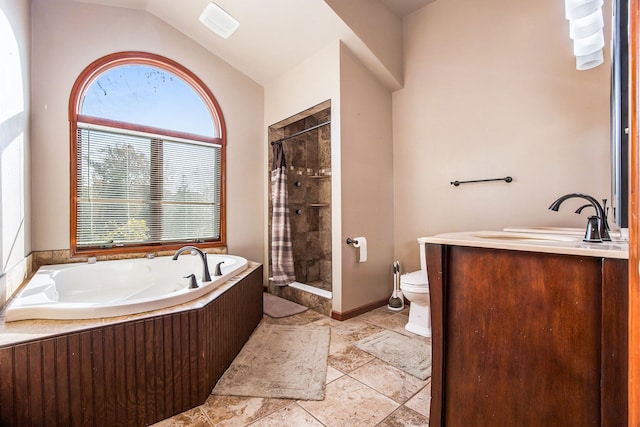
(491, 90)
(309, 83)
(15, 45)
(312, 82)
(362, 159)
(67, 36)
(376, 40)
(367, 187)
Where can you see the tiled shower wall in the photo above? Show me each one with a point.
(309, 182)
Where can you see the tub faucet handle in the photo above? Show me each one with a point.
(218, 271)
(193, 283)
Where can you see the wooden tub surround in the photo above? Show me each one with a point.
(527, 339)
(131, 371)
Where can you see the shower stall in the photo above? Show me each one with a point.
(306, 142)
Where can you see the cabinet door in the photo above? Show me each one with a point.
(522, 338)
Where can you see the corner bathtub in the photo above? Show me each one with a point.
(116, 288)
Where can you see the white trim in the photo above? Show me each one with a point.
(311, 289)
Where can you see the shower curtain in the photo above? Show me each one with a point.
(281, 248)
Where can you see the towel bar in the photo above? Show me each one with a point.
(505, 179)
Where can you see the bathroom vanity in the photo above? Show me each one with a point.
(527, 331)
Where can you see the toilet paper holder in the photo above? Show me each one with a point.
(360, 243)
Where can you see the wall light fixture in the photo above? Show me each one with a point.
(586, 31)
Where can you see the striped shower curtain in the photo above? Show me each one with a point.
(281, 247)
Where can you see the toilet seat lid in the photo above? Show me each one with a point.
(416, 278)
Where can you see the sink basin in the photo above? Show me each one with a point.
(513, 236)
(615, 234)
(553, 230)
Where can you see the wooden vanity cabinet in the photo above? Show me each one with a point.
(527, 339)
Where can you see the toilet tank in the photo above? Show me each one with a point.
(423, 250)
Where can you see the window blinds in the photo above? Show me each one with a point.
(134, 188)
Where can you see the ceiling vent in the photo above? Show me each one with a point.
(218, 20)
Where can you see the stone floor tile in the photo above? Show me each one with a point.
(388, 380)
(239, 411)
(192, 418)
(349, 403)
(379, 316)
(353, 330)
(304, 318)
(327, 321)
(405, 417)
(398, 322)
(292, 415)
(332, 374)
(345, 356)
(421, 402)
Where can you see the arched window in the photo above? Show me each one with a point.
(147, 157)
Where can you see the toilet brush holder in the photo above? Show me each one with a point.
(396, 301)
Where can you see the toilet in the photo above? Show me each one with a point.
(415, 287)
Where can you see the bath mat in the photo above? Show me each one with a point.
(279, 307)
(412, 355)
(279, 361)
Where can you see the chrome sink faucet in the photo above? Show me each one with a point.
(206, 277)
(597, 227)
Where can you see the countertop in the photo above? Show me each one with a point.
(535, 239)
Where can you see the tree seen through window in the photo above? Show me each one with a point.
(148, 160)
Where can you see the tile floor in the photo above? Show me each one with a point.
(361, 389)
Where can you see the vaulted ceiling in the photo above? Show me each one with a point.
(276, 35)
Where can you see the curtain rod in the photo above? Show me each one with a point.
(300, 132)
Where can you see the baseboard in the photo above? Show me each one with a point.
(358, 311)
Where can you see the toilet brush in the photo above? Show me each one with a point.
(396, 302)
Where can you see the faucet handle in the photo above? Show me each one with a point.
(581, 208)
(193, 283)
(218, 271)
(592, 234)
